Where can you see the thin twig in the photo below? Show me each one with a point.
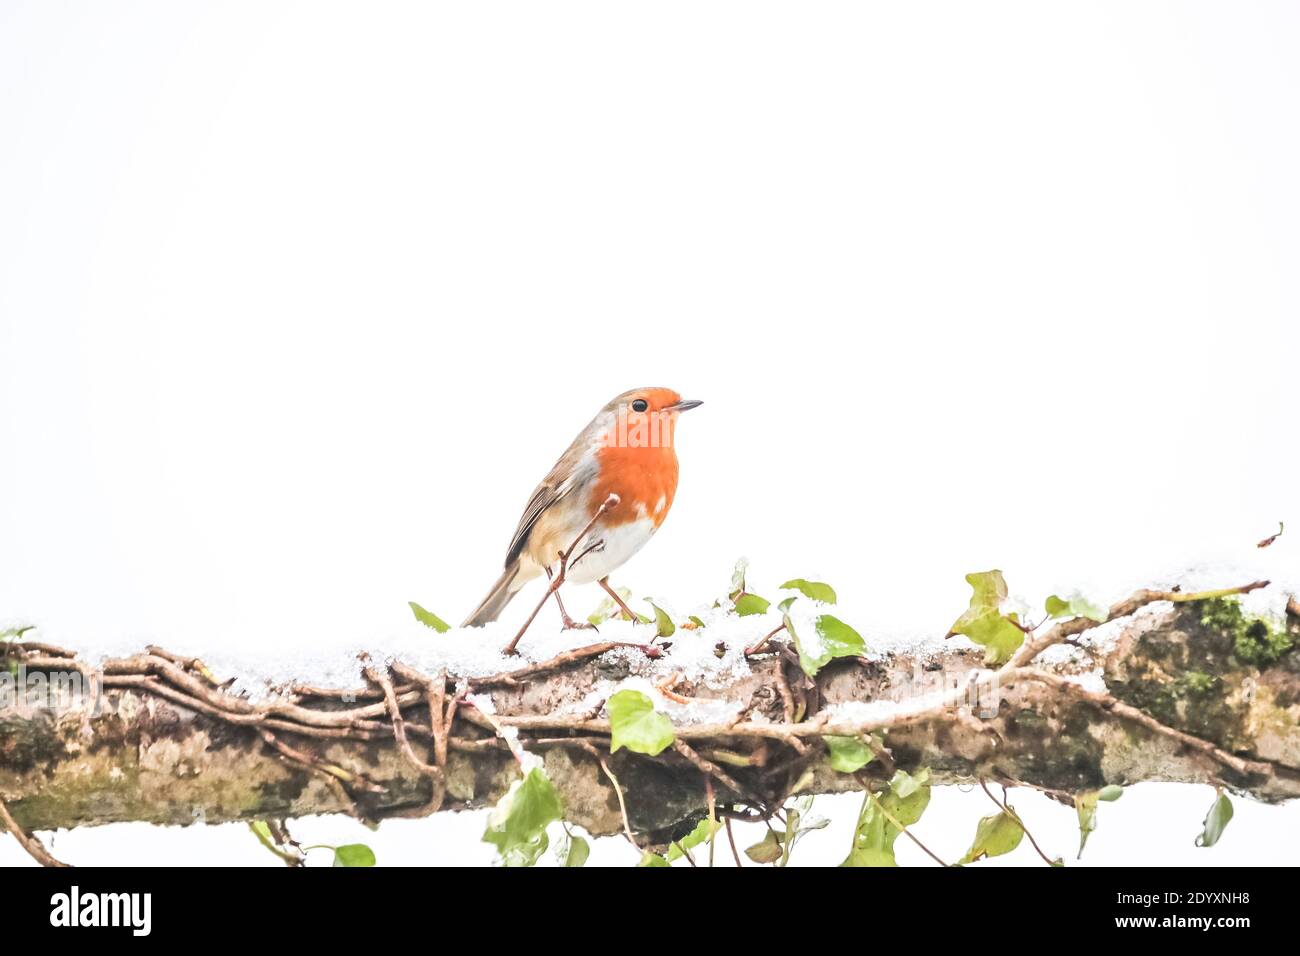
(1272, 537)
(1006, 808)
(359, 730)
(348, 694)
(441, 714)
(783, 689)
(494, 722)
(902, 829)
(312, 762)
(1077, 625)
(762, 642)
(39, 647)
(435, 690)
(666, 685)
(189, 663)
(732, 840)
(713, 814)
(28, 841)
(399, 725)
(712, 769)
(622, 807)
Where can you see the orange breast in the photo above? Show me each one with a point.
(645, 480)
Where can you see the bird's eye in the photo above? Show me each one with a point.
(640, 405)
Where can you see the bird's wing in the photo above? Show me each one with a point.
(546, 495)
(569, 475)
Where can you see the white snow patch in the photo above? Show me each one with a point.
(476, 652)
(1092, 680)
(464, 652)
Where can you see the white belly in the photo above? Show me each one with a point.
(619, 544)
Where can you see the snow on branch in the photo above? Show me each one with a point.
(726, 715)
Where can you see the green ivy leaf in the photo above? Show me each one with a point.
(843, 640)
(766, 850)
(1215, 821)
(747, 604)
(577, 853)
(664, 626)
(848, 754)
(995, 835)
(832, 638)
(868, 854)
(635, 724)
(873, 838)
(652, 859)
(984, 623)
(811, 589)
(905, 785)
(704, 830)
(354, 854)
(262, 830)
(16, 632)
(429, 619)
(738, 578)
(695, 620)
(1075, 606)
(1085, 806)
(517, 826)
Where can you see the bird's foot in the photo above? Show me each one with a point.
(571, 625)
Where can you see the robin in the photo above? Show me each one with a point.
(604, 499)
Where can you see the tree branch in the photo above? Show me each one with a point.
(169, 744)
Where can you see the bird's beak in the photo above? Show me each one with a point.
(685, 405)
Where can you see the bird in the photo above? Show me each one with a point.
(603, 500)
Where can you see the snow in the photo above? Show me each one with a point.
(464, 652)
(1093, 680)
(260, 671)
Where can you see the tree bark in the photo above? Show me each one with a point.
(1178, 704)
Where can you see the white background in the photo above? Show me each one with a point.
(298, 301)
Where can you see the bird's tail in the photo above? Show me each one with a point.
(501, 594)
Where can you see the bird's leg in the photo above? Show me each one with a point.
(555, 586)
(569, 623)
(610, 502)
(604, 583)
